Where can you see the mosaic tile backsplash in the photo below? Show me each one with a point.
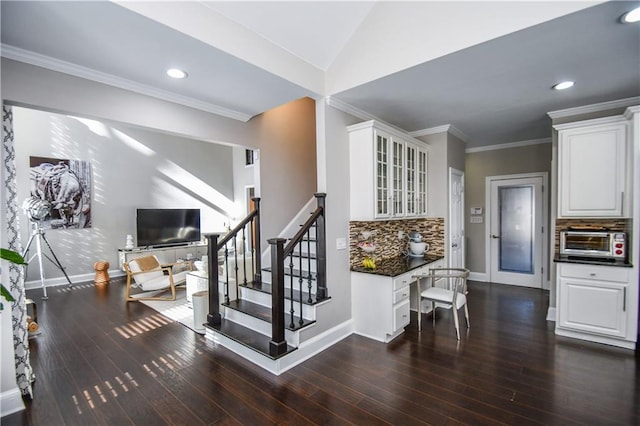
(384, 234)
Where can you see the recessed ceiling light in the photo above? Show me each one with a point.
(176, 73)
(563, 85)
(631, 17)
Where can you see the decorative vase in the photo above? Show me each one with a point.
(129, 242)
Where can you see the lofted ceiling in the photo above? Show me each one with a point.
(485, 68)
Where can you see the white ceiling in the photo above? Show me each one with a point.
(479, 66)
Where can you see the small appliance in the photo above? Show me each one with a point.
(602, 244)
(417, 247)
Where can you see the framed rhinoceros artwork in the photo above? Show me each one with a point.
(66, 186)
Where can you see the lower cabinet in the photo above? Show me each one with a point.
(595, 302)
(381, 305)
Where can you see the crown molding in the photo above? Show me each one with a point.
(508, 145)
(586, 109)
(635, 109)
(450, 128)
(57, 65)
(363, 115)
(350, 109)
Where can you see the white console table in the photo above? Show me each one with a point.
(164, 254)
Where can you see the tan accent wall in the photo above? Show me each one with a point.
(480, 165)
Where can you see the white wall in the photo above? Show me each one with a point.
(131, 168)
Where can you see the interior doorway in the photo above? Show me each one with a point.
(516, 229)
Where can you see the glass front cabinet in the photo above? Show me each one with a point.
(393, 183)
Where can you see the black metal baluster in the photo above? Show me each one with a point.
(226, 269)
(235, 258)
(244, 256)
(292, 310)
(309, 284)
(301, 279)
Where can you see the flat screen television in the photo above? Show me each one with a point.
(167, 227)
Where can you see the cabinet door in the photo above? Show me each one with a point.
(412, 179)
(592, 172)
(593, 306)
(382, 193)
(421, 191)
(398, 177)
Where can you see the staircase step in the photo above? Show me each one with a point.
(247, 337)
(264, 313)
(296, 273)
(266, 288)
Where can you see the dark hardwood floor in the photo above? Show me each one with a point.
(101, 361)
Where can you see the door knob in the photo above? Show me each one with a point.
(454, 245)
(495, 236)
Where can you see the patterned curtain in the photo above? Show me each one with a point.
(24, 372)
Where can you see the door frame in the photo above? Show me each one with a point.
(544, 259)
(463, 248)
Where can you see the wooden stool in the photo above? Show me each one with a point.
(102, 272)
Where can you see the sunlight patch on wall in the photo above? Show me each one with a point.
(132, 143)
(95, 126)
(194, 184)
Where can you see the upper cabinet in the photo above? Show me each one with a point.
(388, 177)
(592, 168)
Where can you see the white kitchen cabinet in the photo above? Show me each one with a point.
(388, 177)
(593, 169)
(381, 305)
(594, 303)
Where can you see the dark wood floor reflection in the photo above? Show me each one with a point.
(101, 361)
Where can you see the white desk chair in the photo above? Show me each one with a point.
(450, 292)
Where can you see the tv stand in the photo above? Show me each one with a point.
(166, 254)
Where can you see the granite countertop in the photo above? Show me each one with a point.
(591, 261)
(395, 266)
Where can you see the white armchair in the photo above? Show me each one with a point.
(152, 278)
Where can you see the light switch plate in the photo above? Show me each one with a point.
(475, 219)
(341, 243)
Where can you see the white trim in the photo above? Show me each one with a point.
(509, 145)
(551, 314)
(544, 257)
(450, 128)
(53, 64)
(628, 113)
(591, 122)
(11, 402)
(627, 344)
(79, 279)
(349, 109)
(393, 131)
(478, 276)
(305, 351)
(356, 112)
(603, 106)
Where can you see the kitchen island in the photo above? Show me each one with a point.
(380, 296)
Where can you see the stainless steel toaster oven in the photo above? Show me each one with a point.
(589, 243)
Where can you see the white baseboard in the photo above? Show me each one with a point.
(305, 351)
(551, 313)
(478, 276)
(53, 282)
(11, 402)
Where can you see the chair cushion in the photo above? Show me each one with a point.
(180, 277)
(443, 295)
(148, 263)
(157, 283)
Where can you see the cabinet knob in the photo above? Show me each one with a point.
(593, 274)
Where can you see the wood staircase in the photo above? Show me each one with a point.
(264, 323)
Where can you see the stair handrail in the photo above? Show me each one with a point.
(214, 317)
(279, 252)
